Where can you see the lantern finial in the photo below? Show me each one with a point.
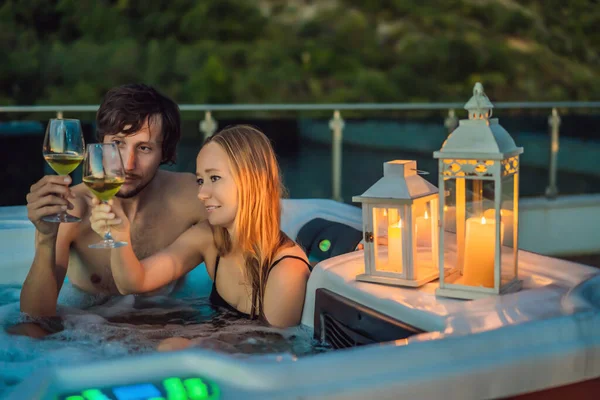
(479, 106)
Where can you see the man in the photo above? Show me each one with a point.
(159, 204)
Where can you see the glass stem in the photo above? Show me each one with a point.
(107, 236)
(63, 213)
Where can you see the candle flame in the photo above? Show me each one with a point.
(426, 215)
(385, 212)
(483, 220)
(399, 224)
(445, 208)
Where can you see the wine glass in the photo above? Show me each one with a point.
(63, 151)
(104, 174)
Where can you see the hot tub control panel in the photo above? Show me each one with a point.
(173, 388)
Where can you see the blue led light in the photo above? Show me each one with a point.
(142, 391)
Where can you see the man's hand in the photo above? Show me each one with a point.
(48, 196)
(105, 215)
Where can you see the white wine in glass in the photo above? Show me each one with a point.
(63, 151)
(103, 174)
(104, 188)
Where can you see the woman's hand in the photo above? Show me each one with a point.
(109, 215)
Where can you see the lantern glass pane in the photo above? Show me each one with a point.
(509, 221)
(470, 237)
(451, 267)
(425, 237)
(388, 238)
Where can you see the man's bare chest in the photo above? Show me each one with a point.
(151, 233)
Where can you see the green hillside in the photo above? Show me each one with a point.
(240, 51)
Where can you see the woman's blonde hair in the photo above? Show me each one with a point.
(260, 189)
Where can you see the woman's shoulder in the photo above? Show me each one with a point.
(286, 287)
(290, 259)
(290, 251)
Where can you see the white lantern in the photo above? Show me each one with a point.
(400, 227)
(479, 197)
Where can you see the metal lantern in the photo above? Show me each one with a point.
(479, 197)
(400, 214)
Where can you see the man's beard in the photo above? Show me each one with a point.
(134, 192)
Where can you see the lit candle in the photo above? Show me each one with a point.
(424, 231)
(507, 223)
(395, 246)
(479, 252)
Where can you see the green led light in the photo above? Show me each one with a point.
(75, 398)
(324, 245)
(196, 389)
(94, 394)
(216, 392)
(175, 389)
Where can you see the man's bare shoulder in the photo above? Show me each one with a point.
(181, 179)
(181, 188)
(178, 184)
(204, 229)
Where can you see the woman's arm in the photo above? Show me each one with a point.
(132, 275)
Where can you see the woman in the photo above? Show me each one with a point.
(256, 269)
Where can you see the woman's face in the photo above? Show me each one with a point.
(216, 187)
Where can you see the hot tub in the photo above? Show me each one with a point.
(544, 337)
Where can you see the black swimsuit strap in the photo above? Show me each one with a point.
(216, 298)
(270, 268)
(288, 256)
(216, 268)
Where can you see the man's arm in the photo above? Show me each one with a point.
(47, 273)
(40, 291)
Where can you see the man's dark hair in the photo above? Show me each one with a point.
(130, 106)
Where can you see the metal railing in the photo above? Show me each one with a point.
(209, 125)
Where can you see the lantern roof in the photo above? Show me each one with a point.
(479, 137)
(400, 181)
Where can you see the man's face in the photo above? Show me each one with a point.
(141, 153)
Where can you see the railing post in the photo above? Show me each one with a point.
(554, 122)
(451, 122)
(208, 125)
(336, 124)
